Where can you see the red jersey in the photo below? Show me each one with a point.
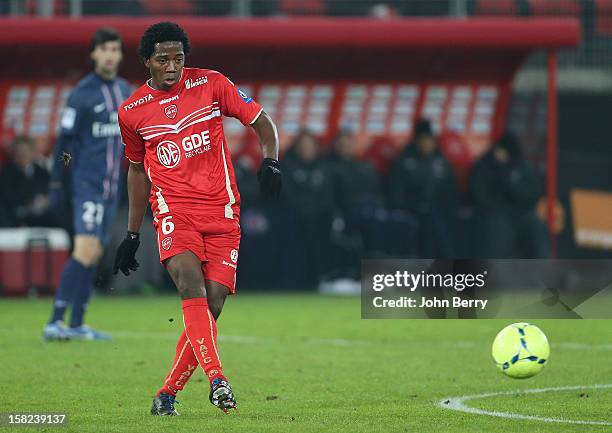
(178, 136)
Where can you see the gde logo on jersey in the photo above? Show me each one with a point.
(196, 144)
(168, 154)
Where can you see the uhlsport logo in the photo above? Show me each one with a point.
(166, 243)
(171, 111)
(165, 101)
(168, 153)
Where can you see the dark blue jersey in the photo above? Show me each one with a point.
(89, 132)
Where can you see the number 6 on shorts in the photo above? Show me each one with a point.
(167, 225)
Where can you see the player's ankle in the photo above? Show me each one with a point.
(217, 376)
(167, 391)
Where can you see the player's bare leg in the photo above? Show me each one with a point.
(200, 326)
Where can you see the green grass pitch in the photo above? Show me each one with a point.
(298, 363)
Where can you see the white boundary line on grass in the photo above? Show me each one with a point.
(250, 339)
(458, 404)
(341, 341)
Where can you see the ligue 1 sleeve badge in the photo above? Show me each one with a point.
(171, 111)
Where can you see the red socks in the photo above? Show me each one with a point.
(201, 331)
(184, 365)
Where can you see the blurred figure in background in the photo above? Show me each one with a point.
(356, 183)
(89, 147)
(357, 199)
(421, 181)
(308, 190)
(23, 187)
(505, 188)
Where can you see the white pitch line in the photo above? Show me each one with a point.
(248, 339)
(459, 344)
(583, 346)
(458, 404)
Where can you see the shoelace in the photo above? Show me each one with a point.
(171, 399)
(215, 384)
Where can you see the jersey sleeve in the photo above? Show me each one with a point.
(134, 144)
(73, 114)
(235, 103)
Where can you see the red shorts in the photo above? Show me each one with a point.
(215, 241)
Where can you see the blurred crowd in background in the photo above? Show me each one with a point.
(379, 8)
(280, 8)
(343, 200)
(338, 207)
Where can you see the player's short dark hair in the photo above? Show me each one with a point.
(104, 35)
(162, 32)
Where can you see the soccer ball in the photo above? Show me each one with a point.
(520, 350)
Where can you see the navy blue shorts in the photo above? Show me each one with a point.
(92, 215)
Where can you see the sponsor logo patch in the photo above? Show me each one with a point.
(231, 265)
(68, 118)
(99, 108)
(138, 102)
(171, 111)
(168, 153)
(166, 243)
(165, 101)
(190, 84)
(245, 97)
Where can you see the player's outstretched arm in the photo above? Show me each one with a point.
(269, 174)
(139, 188)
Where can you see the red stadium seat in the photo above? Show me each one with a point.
(382, 113)
(554, 7)
(603, 23)
(301, 7)
(455, 148)
(496, 7)
(381, 153)
(161, 7)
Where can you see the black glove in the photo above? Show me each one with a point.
(270, 178)
(125, 259)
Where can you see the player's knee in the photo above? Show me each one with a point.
(189, 291)
(215, 306)
(189, 284)
(186, 272)
(87, 250)
(217, 293)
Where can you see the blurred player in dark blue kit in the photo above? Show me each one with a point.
(90, 148)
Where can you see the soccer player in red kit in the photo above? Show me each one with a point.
(179, 159)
